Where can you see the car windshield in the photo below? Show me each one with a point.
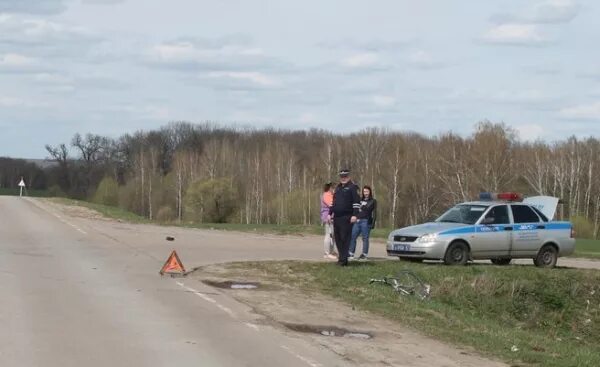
(463, 213)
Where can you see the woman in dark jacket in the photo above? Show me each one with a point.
(364, 224)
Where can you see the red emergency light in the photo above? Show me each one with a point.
(503, 196)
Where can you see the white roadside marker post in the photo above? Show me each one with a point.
(21, 186)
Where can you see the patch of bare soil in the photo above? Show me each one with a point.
(357, 336)
(75, 210)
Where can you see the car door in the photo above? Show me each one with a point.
(526, 234)
(492, 236)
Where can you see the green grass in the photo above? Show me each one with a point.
(551, 315)
(15, 192)
(587, 248)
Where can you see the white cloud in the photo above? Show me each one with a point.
(361, 60)
(201, 50)
(555, 11)
(32, 6)
(383, 100)
(420, 57)
(15, 61)
(257, 78)
(10, 101)
(545, 12)
(526, 96)
(370, 45)
(14, 102)
(514, 34)
(229, 53)
(423, 60)
(530, 132)
(64, 82)
(307, 118)
(51, 78)
(44, 38)
(18, 63)
(589, 111)
(143, 112)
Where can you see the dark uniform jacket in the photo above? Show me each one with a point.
(346, 201)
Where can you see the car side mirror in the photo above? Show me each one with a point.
(488, 220)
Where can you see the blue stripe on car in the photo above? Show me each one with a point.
(516, 227)
(470, 229)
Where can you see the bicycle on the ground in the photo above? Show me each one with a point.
(407, 283)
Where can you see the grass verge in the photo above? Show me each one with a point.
(279, 229)
(583, 248)
(587, 248)
(520, 314)
(28, 192)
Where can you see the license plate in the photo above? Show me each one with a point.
(401, 247)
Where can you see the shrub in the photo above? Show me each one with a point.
(211, 201)
(165, 214)
(583, 227)
(107, 192)
(56, 191)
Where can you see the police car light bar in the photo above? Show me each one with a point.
(503, 196)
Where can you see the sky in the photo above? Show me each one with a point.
(111, 67)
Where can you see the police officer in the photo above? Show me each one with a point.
(344, 211)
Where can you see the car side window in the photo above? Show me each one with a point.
(499, 214)
(524, 214)
(542, 215)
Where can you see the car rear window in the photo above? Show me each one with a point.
(524, 214)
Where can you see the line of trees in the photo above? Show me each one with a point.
(187, 172)
(11, 171)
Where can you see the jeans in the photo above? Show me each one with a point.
(363, 227)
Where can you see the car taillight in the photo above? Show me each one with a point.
(572, 232)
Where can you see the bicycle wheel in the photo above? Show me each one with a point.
(412, 284)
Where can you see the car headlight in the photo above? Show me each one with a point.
(427, 237)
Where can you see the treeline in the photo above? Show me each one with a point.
(11, 171)
(187, 172)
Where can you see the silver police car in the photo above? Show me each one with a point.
(499, 227)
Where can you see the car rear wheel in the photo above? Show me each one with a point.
(547, 257)
(501, 261)
(457, 254)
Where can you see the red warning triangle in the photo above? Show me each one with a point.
(173, 265)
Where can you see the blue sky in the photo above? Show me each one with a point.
(117, 66)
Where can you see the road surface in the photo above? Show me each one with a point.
(86, 292)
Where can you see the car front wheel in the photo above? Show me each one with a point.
(547, 257)
(457, 254)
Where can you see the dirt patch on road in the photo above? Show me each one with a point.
(357, 336)
(74, 210)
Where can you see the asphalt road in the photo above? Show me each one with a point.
(81, 291)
